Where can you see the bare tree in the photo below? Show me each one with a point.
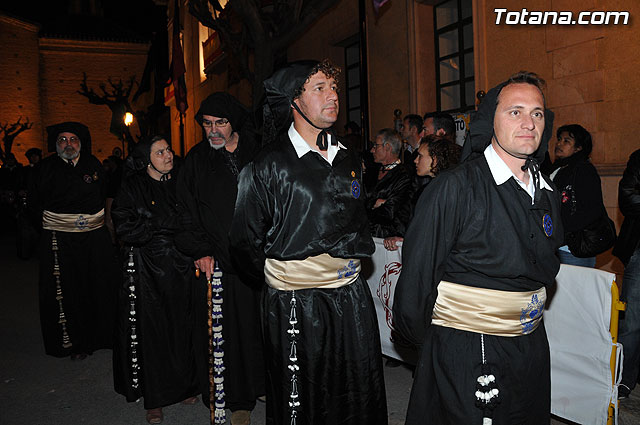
(11, 131)
(245, 26)
(116, 97)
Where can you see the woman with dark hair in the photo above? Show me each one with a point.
(153, 353)
(579, 185)
(435, 154)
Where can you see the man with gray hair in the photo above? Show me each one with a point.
(207, 188)
(388, 205)
(77, 261)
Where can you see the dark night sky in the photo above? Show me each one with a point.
(123, 19)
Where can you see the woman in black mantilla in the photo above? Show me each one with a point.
(153, 353)
(579, 185)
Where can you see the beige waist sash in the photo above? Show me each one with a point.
(321, 271)
(72, 222)
(488, 311)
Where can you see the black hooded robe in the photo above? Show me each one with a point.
(88, 265)
(468, 230)
(207, 189)
(290, 208)
(146, 216)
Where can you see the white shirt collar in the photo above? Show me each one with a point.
(501, 172)
(302, 147)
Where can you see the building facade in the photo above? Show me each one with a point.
(428, 55)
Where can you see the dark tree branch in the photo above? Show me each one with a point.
(11, 131)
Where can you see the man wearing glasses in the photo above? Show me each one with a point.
(207, 187)
(77, 261)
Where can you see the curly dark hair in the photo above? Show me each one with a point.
(327, 68)
(445, 153)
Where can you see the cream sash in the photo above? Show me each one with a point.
(488, 311)
(72, 222)
(321, 271)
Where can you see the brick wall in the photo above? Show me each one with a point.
(40, 78)
(62, 63)
(19, 96)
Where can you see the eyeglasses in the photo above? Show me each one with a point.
(62, 140)
(376, 145)
(222, 122)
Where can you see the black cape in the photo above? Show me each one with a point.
(468, 230)
(88, 266)
(147, 216)
(207, 188)
(290, 208)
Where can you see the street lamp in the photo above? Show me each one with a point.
(128, 119)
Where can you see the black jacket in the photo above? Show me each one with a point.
(581, 178)
(629, 202)
(392, 217)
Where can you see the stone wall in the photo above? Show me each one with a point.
(591, 74)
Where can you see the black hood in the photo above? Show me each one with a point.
(79, 129)
(481, 128)
(223, 105)
(280, 89)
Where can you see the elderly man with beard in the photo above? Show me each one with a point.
(78, 271)
(300, 219)
(207, 188)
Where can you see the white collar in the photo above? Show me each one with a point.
(501, 171)
(302, 147)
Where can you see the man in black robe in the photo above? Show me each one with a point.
(207, 187)
(78, 268)
(477, 258)
(301, 219)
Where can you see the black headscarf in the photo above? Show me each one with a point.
(79, 129)
(481, 127)
(223, 105)
(140, 158)
(280, 91)
(481, 133)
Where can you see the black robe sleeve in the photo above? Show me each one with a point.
(132, 218)
(251, 221)
(194, 241)
(429, 240)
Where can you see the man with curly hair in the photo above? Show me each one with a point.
(300, 219)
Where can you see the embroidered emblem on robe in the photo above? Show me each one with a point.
(355, 189)
(547, 225)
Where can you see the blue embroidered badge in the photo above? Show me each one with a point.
(347, 271)
(531, 313)
(547, 225)
(81, 222)
(355, 189)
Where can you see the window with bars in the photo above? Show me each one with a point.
(455, 86)
(352, 82)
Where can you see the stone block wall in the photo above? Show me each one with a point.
(591, 74)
